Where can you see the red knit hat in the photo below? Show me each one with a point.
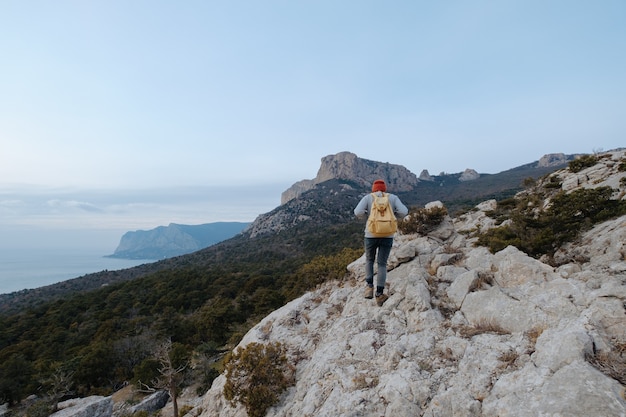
(379, 185)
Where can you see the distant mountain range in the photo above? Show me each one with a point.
(454, 189)
(174, 240)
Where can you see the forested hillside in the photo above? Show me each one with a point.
(106, 337)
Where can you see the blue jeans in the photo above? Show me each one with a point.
(383, 245)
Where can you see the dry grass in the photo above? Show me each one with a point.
(335, 310)
(508, 359)
(612, 363)
(446, 355)
(484, 279)
(449, 249)
(297, 355)
(447, 308)
(128, 395)
(266, 330)
(425, 365)
(363, 381)
(481, 327)
(532, 335)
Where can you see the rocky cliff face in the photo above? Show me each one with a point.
(469, 175)
(464, 332)
(554, 159)
(348, 166)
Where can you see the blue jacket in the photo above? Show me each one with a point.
(365, 206)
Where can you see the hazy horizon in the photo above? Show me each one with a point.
(42, 218)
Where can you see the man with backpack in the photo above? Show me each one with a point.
(383, 209)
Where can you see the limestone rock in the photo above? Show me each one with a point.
(461, 286)
(94, 406)
(577, 389)
(469, 175)
(425, 176)
(476, 220)
(513, 267)
(152, 403)
(605, 173)
(296, 189)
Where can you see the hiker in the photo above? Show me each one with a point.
(378, 243)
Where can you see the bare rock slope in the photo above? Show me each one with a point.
(465, 332)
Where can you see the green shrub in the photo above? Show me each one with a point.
(582, 162)
(541, 232)
(256, 376)
(321, 269)
(41, 408)
(499, 238)
(146, 372)
(553, 182)
(529, 182)
(422, 220)
(503, 210)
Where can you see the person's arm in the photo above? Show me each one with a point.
(399, 209)
(363, 207)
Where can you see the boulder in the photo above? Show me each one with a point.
(94, 406)
(151, 403)
(469, 175)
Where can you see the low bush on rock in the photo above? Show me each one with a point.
(256, 376)
(422, 220)
(583, 162)
(540, 231)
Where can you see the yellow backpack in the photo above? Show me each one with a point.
(381, 221)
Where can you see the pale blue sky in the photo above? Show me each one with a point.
(114, 96)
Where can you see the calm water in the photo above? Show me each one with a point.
(25, 269)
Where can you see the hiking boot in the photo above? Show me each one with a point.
(369, 292)
(381, 298)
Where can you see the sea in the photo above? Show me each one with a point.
(26, 269)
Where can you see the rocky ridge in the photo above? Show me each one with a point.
(348, 166)
(464, 332)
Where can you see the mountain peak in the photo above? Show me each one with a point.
(348, 166)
